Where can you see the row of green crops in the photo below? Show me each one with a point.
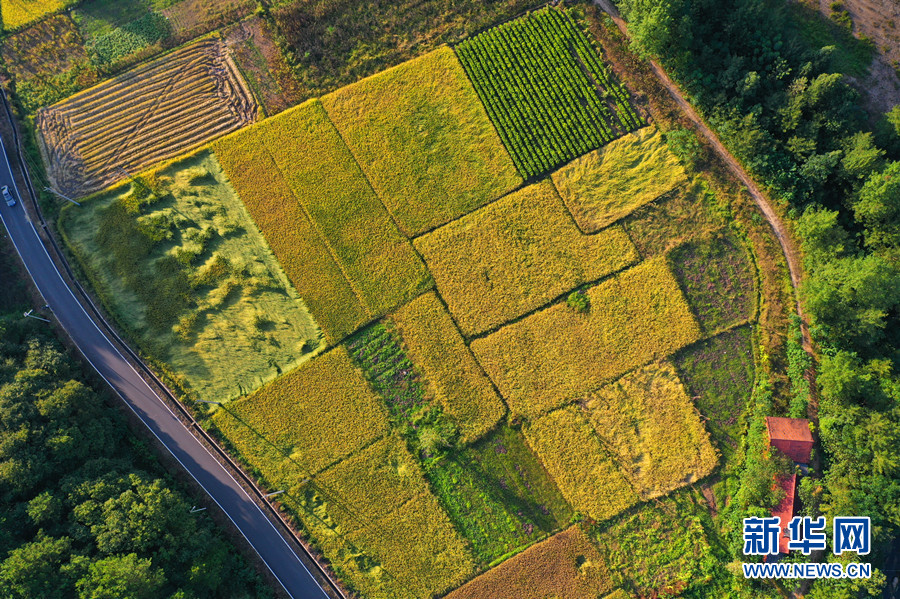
(546, 89)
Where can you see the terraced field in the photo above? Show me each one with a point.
(156, 111)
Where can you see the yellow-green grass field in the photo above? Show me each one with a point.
(608, 184)
(382, 529)
(305, 257)
(516, 255)
(567, 565)
(17, 13)
(559, 354)
(305, 420)
(455, 379)
(649, 423)
(377, 259)
(179, 263)
(424, 140)
(574, 455)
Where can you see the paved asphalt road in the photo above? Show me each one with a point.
(249, 519)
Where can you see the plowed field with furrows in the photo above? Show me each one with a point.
(152, 112)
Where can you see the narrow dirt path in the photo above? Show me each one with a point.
(791, 255)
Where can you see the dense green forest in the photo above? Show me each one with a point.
(780, 100)
(85, 508)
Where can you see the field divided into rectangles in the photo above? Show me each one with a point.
(543, 86)
(424, 140)
(558, 354)
(516, 255)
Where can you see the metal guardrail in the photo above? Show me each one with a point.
(108, 329)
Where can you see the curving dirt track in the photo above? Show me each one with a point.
(791, 255)
(152, 112)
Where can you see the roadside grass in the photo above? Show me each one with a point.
(574, 455)
(178, 262)
(516, 255)
(648, 422)
(423, 140)
(558, 354)
(305, 257)
(498, 495)
(18, 13)
(376, 258)
(306, 420)
(716, 274)
(48, 62)
(565, 565)
(383, 531)
(719, 374)
(661, 549)
(685, 214)
(608, 184)
(452, 376)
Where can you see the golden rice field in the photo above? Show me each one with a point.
(516, 255)
(454, 378)
(565, 565)
(18, 13)
(424, 140)
(610, 183)
(651, 426)
(574, 455)
(558, 354)
(158, 110)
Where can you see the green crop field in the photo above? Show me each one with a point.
(576, 458)
(541, 80)
(181, 266)
(607, 184)
(454, 378)
(424, 140)
(516, 255)
(498, 495)
(559, 353)
(565, 565)
(649, 423)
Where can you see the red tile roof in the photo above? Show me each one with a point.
(785, 509)
(791, 436)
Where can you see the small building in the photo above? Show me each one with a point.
(785, 509)
(791, 436)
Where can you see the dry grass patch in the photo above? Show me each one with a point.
(558, 354)
(647, 420)
(607, 184)
(300, 250)
(306, 420)
(566, 565)
(376, 258)
(454, 378)
(516, 255)
(576, 458)
(424, 140)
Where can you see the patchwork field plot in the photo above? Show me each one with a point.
(719, 373)
(558, 354)
(177, 260)
(18, 13)
(607, 184)
(424, 141)
(544, 85)
(48, 62)
(302, 252)
(155, 111)
(498, 495)
(515, 255)
(718, 281)
(576, 458)
(454, 378)
(566, 565)
(649, 423)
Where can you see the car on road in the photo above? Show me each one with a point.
(10, 201)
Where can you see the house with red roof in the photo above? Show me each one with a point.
(791, 436)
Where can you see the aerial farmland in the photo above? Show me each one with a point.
(479, 312)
